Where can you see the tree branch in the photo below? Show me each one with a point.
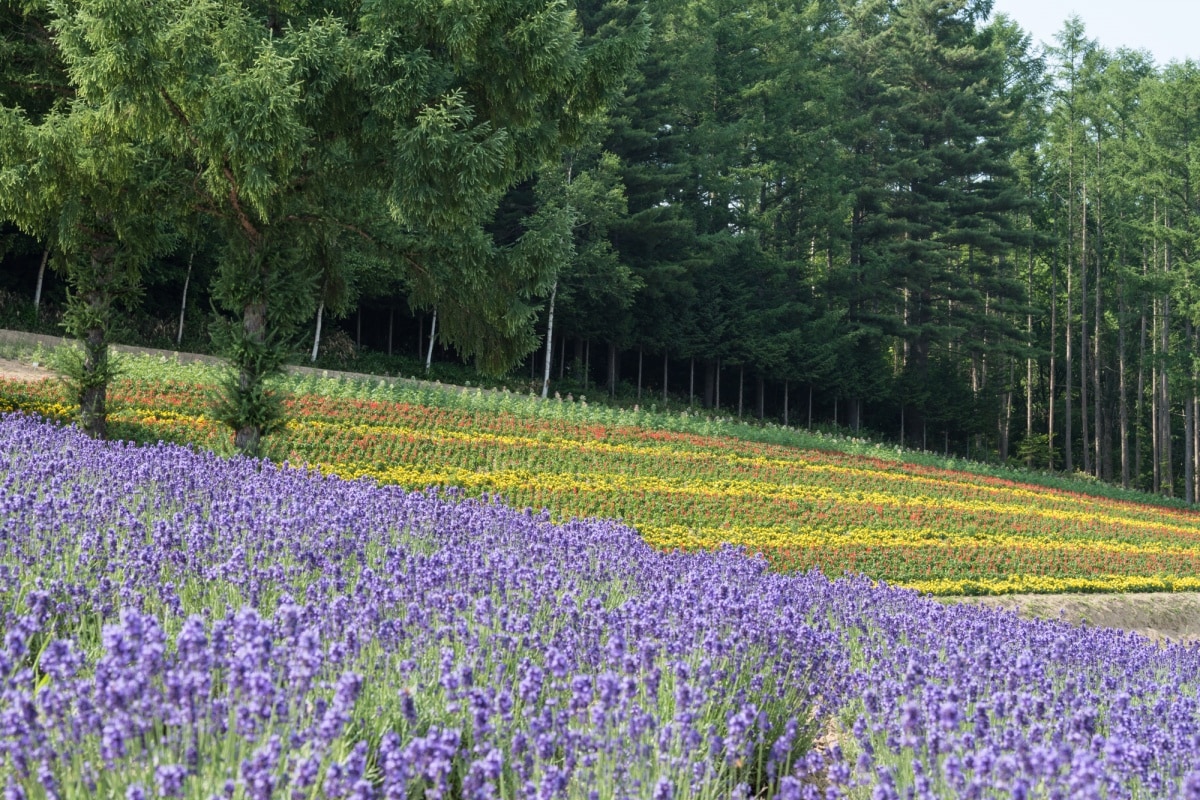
(234, 198)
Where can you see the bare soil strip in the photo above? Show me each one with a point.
(1159, 616)
(16, 370)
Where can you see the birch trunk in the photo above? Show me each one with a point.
(187, 280)
(37, 292)
(549, 342)
(432, 339)
(317, 336)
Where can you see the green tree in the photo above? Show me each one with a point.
(73, 179)
(285, 117)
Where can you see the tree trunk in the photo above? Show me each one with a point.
(587, 362)
(785, 403)
(248, 437)
(93, 394)
(762, 390)
(317, 335)
(1164, 406)
(1053, 357)
(639, 385)
(549, 342)
(1004, 421)
(1029, 361)
(741, 385)
(1068, 461)
(187, 279)
(37, 292)
(432, 339)
(665, 379)
(1084, 373)
(613, 369)
(1139, 444)
(1103, 465)
(691, 381)
(1189, 433)
(1123, 392)
(1155, 416)
(1196, 444)
(710, 384)
(391, 326)
(717, 401)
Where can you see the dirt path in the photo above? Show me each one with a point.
(17, 370)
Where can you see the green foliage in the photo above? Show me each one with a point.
(247, 398)
(69, 363)
(883, 200)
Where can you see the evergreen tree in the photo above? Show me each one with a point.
(286, 115)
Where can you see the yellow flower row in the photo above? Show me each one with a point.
(708, 457)
(762, 537)
(1038, 584)
(735, 489)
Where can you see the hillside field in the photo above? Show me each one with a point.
(177, 624)
(689, 482)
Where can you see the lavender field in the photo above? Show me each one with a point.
(180, 625)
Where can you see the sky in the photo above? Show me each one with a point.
(1169, 29)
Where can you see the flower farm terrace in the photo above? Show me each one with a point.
(685, 484)
(181, 625)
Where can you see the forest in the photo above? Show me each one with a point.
(896, 216)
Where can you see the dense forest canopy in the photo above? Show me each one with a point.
(894, 214)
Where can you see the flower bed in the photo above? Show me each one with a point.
(182, 625)
(937, 530)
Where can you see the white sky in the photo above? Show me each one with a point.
(1169, 29)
